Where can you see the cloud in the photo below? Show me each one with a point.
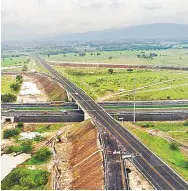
(23, 18)
(152, 5)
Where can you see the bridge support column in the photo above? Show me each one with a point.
(69, 97)
(86, 116)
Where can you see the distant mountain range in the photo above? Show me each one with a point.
(148, 31)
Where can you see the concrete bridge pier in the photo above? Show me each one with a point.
(69, 97)
(86, 116)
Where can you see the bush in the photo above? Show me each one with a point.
(20, 125)
(129, 70)
(25, 68)
(26, 146)
(186, 123)
(147, 125)
(10, 133)
(25, 179)
(8, 98)
(42, 155)
(110, 71)
(15, 86)
(19, 78)
(174, 146)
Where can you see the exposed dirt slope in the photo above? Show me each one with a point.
(53, 90)
(87, 175)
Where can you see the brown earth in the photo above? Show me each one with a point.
(53, 90)
(87, 169)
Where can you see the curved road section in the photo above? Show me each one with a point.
(159, 174)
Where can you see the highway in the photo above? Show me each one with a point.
(157, 172)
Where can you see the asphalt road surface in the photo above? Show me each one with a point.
(157, 172)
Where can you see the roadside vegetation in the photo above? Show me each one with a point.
(41, 156)
(176, 130)
(25, 179)
(100, 84)
(168, 151)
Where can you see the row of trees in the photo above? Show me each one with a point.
(150, 56)
(17, 85)
(110, 70)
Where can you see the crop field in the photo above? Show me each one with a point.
(150, 85)
(5, 84)
(169, 57)
(13, 61)
(161, 147)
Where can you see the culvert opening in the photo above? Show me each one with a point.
(128, 170)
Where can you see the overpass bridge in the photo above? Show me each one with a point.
(159, 174)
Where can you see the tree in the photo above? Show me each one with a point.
(8, 98)
(129, 70)
(110, 71)
(10, 133)
(19, 78)
(82, 54)
(168, 97)
(98, 53)
(91, 53)
(110, 57)
(48, 55)
(138, 55)
(25, 68)
(42, 154)
(26, 146)
(20, 125)
(15, 86)
(174, 146)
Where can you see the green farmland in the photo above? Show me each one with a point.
(169, 57)
(101, 85)
(13, 61)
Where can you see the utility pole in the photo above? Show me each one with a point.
(134, 115)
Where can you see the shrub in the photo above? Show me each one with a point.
(174, 146)
(8, 98)
(26, 146)
(110, 71)
(15, 86)
(10, 133)
(20, 125)
(147, 125)
(19, 78)
(25, 179)
(129, 70)
(186, 123)
(42, 154)
(25, 68)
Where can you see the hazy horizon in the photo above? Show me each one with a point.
(41, 18)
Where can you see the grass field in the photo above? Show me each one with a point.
(5, 84)
(178, 131)
(169, 57)
(13, 61)
(175, 158)
(36, 67)
(99, 83)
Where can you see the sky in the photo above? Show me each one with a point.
(21, 19)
